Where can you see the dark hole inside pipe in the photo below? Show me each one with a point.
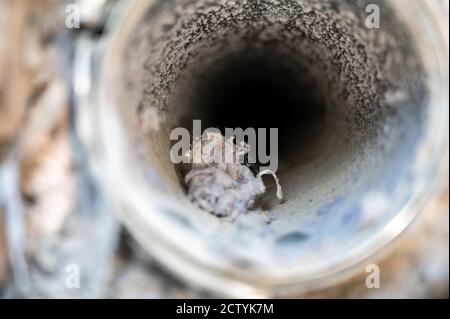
(259, 89)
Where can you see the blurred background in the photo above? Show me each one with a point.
(42, 186)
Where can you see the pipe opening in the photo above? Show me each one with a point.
(349, 101)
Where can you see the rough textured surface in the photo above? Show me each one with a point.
(345, 58)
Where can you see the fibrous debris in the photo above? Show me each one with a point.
(224, 188)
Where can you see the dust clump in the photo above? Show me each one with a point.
(221, 183)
